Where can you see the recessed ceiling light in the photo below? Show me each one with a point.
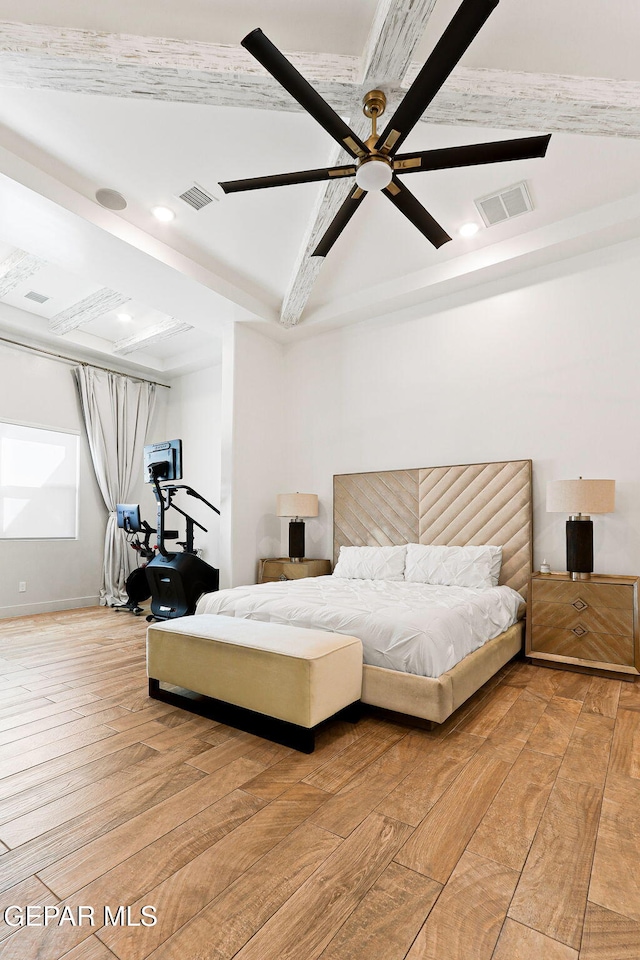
(110, 199)
(468, 229)
(163, 213)
(124, 317)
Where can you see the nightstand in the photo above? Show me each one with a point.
(586, 625)
(283, 569)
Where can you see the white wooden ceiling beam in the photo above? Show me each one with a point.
(84, 311)
(509, 99)
(16, 268)
(397, 28)
(150, 335)
(121, 65)
(45, 57)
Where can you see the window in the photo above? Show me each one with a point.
(38, 483)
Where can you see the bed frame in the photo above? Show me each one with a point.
(476, 503)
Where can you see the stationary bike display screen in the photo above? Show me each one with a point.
(128, 517)
(163, 461)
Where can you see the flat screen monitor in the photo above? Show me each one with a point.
(163, 461)
(128, 515)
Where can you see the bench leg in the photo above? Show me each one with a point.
(352, 713)
(270, 728)
(303, 740)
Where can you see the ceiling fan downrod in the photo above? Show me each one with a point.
(375, 170)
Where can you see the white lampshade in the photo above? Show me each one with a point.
(581, 496)
(297, 505)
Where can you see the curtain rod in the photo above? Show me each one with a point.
(82, 363)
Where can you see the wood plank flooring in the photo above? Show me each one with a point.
(511, 832)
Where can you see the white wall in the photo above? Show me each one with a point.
(253, 466)
(548, 371)
(59, 573)
(193, 413)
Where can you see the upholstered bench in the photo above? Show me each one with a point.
(275, 680)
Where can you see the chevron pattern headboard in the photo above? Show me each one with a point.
(475, 503)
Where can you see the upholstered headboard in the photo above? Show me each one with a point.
(475, 503)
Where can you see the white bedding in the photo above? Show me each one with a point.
(411, 627)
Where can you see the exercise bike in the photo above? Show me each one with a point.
(174, 581)
(136, 584)
(178, 580)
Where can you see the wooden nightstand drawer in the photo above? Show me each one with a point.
(581, 614)
(600, 647)
(587, 625)
(279, 570)
(593, 594)
(272, 570)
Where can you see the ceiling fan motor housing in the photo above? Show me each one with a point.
(374, 103)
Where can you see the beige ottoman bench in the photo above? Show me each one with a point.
(275, 680)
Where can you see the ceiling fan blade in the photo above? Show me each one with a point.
(465, 25)
(287, 76)
(473, 154)
(285, 179)
(413, 210)
(339, 222)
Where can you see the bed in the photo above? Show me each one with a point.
(464, 505)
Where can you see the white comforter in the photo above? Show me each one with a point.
(411, 627)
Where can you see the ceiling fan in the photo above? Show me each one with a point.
(377, 161)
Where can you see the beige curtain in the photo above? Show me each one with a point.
(117, 412)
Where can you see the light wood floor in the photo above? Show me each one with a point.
(511, 833)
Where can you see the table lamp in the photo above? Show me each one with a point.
(296, 506)
(580, 498)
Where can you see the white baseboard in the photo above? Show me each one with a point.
(48, 606)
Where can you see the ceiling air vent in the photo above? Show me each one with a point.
(196, 196)
(37, 297)
(504, 205)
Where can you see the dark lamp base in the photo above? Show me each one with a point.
(296, 540)
(580, 549)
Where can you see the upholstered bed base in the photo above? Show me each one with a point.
(457, 505)
(437, 699)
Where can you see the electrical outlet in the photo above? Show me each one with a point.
(22, 586)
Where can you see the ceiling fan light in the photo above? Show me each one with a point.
(374, 175)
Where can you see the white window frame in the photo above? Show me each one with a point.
(56, 430)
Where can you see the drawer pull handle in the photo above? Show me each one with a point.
(579, 631)
(579, 604)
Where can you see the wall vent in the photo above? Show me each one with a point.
(36, 297)
(196, 196)
(505, 204)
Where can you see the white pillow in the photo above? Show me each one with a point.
(453, 566)
(371, 563)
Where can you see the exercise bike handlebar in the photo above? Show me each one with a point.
(164, 503)
(194, 522)
(190, 493)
